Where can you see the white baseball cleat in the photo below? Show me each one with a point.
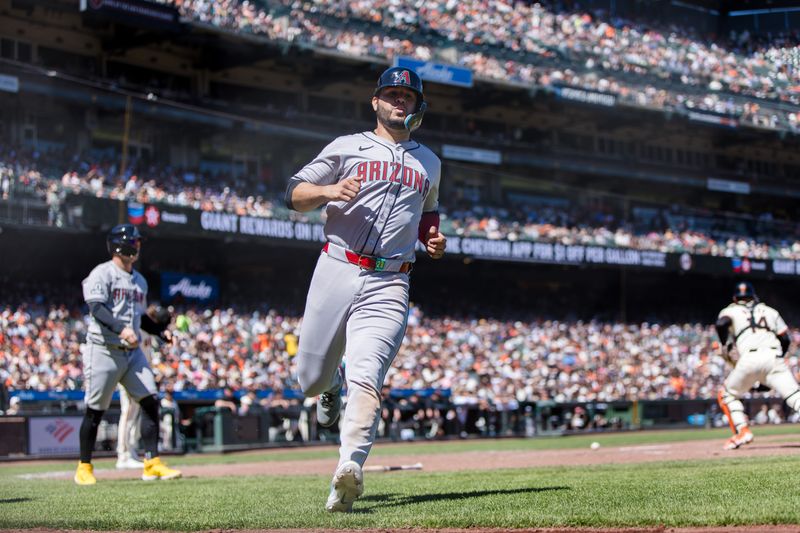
(745, 436)
(347, 486)
(127, 462)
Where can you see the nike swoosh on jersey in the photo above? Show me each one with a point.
(362, 148)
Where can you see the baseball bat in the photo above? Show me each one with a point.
(392, 468)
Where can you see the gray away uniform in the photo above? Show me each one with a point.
(354, 311)
(106, 361)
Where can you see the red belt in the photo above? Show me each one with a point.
(368, 262)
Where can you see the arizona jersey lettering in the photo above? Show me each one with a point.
(123, 293)
(398, 183)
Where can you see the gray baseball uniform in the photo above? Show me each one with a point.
(106, 360)
(358, 311)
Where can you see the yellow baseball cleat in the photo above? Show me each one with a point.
(155, 469)
(84, 475)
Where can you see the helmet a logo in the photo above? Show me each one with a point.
(742, 289)
(401, 76)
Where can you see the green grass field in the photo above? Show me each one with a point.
(724, 491)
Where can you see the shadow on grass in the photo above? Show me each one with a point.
(397, 500)
(14, 500)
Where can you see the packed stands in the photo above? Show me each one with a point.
(51, 176)
(477, 359)
(532, 44)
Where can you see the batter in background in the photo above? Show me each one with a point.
(380, 190)
(116, 295)
(762, 340)
(128, 433)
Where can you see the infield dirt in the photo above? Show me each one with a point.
(481, 460)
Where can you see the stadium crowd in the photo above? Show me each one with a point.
(477, 359)
(664, 229)
(531, 44)
(52, 174)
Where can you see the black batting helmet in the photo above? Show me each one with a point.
(405, 77)
(744, 291)
(123, 240)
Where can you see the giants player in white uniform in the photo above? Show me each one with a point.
(762, 340)
(381, 191)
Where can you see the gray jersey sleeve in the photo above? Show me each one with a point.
(142, 284)
(96, 286)
(432, 200)
(325, 169)
(399, 181)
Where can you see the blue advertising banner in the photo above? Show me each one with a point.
(437, 72)
(188, 287)
(192, 395)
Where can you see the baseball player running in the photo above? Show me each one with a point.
(116, 296)
(381, 191)
(762, 340)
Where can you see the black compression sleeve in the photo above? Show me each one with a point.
(293, 183)
(103, 314)
(149, 426)
(88, 433)
(722, 326)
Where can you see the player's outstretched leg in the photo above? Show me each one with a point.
(783, 382)
(357, 435)
(154, 467)
(346, 486)
(793, 400)
(330, 403)
(734, 410)
(84, 475)
(375, 331)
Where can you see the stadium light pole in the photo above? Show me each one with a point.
(126, 130)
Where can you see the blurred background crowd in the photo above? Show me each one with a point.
(475, 358)
(545, 44)
(51, 176)
(216, 112)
